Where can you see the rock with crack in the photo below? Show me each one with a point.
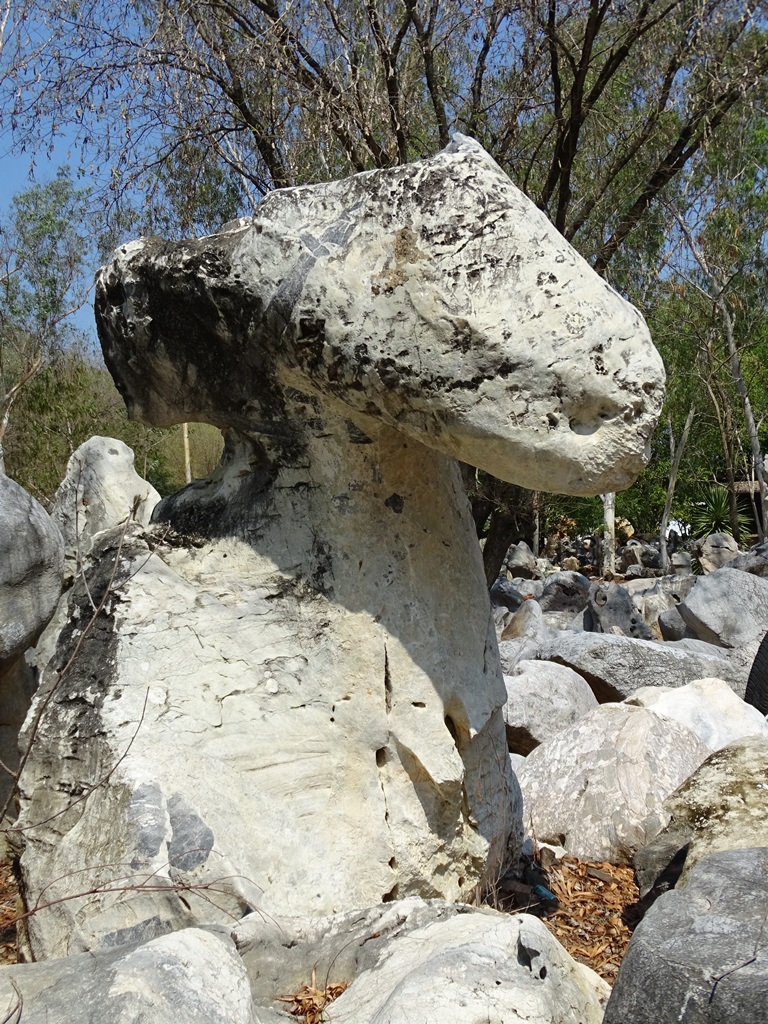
(304, 665)
(699, 954)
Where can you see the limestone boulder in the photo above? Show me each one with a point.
(542, 699)
(598, 787)
(507, 352)
(300, 662)
(101, 489)
(716, 550)
(655, 597)
(520, 562)
(194, 975)
(611, 609)
(755, 560)
(422, 961)
(729, 608)
(698, 954)
(708, 707)
(31, 570)
(617, 666)
(722, 806)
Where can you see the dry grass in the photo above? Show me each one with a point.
(308, 1003)
(593, 915)
(9, 895)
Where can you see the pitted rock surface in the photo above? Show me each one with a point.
(302, 658)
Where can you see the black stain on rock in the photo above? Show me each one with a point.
(191, 839)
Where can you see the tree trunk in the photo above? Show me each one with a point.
(677, 455)
(187, 460)
(609, 532)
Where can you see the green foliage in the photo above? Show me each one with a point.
(711, 513)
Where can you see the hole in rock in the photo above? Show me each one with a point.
(381, 757)
(391, 896)
(462, 881)
(451, 727)
(393, 862)
(418, 704)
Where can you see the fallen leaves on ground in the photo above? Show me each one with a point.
(8, 910)
(309, 1002)
(589, 921)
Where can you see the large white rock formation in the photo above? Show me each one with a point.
(297, 685)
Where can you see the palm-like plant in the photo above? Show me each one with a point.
(712, 513)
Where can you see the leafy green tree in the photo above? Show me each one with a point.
(43, 280)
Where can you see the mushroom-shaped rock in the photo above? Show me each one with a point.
(316, 673)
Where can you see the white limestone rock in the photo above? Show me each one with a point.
(708, 707)
(301, 664)
(716, 550)
(598, 787)
(542, 699)
(434, 297)
(194, 976)
(100, 490)
(423, 963)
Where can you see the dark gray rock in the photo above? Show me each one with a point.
(612, 610)
(505, 595)
(565, 592)
(673, 626)
(755, 560)
(699, 955)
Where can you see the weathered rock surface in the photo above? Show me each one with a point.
(616, 666)
(598, 787)
(423, 962)
(708, 707)
(716, 550)
(542, 699)
(31, 564)
(722, 806)
(610, 609)
(194, 976)
(101, 490)
(409, 295)
(699, 955)
(659, 596)
(307, 666)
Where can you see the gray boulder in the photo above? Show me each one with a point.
(520, 562)
(755, 560)
(698, 955)
(610, 609)
(565, 592)
(722, 806)
(616, 666)
(31, 570)
(194, 976)
(542, 699)
(729, 609)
